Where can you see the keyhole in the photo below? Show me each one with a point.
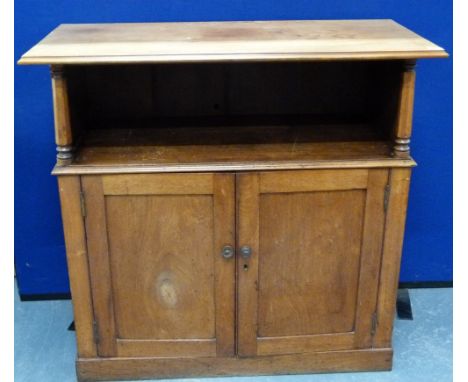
(246, 267)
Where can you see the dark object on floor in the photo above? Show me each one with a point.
(72, 326)
(404, 310)
(425, 284)
(45, 297)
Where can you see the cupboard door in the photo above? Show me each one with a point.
(160, 283)
(310, 280)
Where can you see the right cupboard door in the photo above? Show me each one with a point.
(309, 258)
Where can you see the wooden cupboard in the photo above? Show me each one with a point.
(233, 194)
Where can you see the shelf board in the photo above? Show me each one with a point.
(228, 148)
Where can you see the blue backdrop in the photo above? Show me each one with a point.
(39, 246)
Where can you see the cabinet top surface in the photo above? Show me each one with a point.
(230, 41)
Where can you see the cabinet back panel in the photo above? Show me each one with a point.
(162, 266)
(362, 90)
(310, 246)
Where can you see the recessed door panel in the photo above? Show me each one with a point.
(162, 265)
(310, 246)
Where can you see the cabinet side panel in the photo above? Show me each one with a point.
(391, 256)
(77, 259)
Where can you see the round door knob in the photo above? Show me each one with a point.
(227, 252)
(246, 251)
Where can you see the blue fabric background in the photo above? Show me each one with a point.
(39, 247)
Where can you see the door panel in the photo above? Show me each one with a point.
(160, 284)
(310, 283)
(307, 286)
(160, 290)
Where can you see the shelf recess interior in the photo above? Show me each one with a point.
(222, 117)
(234, 146)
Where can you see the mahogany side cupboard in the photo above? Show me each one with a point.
(233, 193)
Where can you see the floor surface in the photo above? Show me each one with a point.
(45, 349)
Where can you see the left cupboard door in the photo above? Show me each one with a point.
(161, 269)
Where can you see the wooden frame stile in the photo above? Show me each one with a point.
(225, 292)
(247, 269)
(77, 259)
(100, 277)
(371, 256)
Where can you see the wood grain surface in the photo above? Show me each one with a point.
(148, 368)
(221, 41)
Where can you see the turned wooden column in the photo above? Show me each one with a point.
(404, 122)
(63, 130)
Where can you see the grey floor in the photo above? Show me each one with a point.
(45, 350)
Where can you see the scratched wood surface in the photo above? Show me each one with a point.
(218, 41)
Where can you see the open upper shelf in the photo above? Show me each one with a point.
(230, 148)
(230, 41)
(229, 116)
